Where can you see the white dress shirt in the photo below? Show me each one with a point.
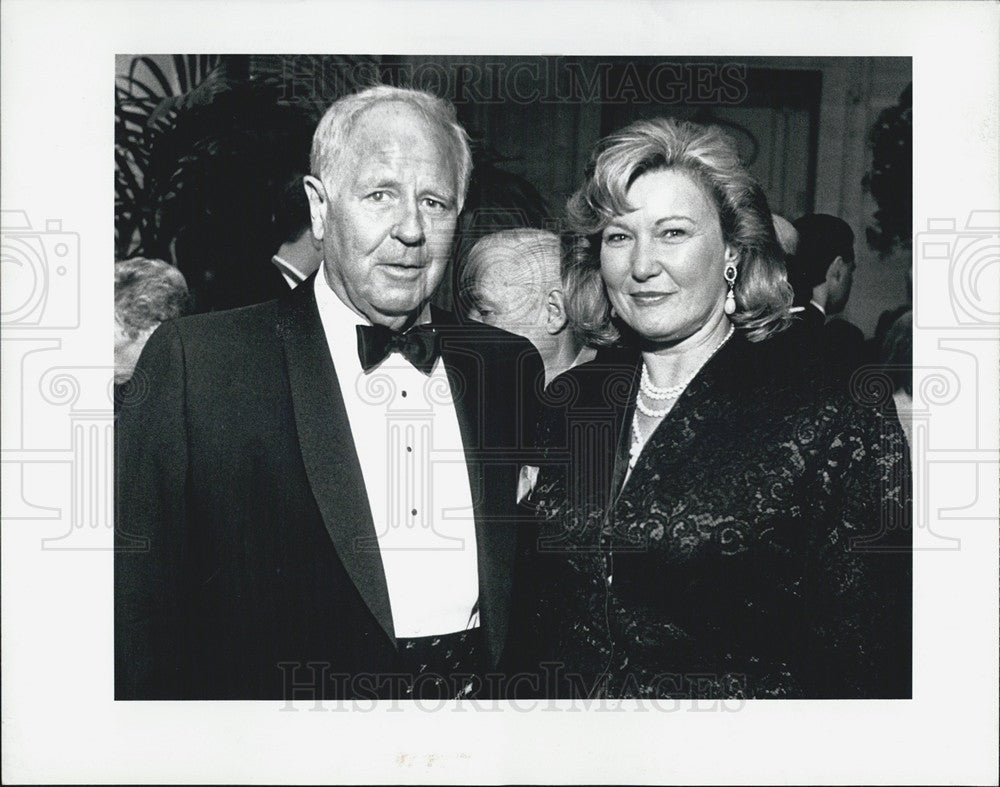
(408, 442)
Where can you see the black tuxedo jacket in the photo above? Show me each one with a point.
(246, 565)
(839, 343)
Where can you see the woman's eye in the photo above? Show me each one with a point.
(615, 237)
(673, 233)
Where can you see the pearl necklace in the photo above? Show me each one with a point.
(672, 392)
(653, 392)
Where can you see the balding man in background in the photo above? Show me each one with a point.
(512, 280)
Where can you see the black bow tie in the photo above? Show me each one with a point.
(418, 345)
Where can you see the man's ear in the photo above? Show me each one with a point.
(555, 312)
(316, 194)
(835, 272)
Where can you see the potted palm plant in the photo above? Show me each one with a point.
(198, 161)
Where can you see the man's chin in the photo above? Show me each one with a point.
(402, 297)
(394, 312)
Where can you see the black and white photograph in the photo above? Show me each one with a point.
(505, 408)
(297, 515)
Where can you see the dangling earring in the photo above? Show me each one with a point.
(730, 276)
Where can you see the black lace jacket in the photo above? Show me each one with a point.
(760, 547)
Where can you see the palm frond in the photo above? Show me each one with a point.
(195, 167)
(132, 83)
(166, 86)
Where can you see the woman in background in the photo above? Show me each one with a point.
(719, 518)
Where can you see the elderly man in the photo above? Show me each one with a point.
(512, 280)
(317, 497)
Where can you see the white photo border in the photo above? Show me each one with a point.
(60, 723)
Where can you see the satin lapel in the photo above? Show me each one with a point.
(328, 451)
(495, 540)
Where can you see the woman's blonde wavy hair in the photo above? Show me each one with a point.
(763, 295)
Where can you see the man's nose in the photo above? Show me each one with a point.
(409, 226)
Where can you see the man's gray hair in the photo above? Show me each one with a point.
(335, 127)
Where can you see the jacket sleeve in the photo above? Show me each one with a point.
(151, 466)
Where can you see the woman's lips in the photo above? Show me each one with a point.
(650, 297)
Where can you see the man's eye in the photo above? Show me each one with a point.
(434, 204)
(378, 196)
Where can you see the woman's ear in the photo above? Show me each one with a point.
(555, 312)
(732, 255)
(316, 194)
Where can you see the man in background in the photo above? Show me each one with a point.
(821, 273)
(299, 254)
(512, 280)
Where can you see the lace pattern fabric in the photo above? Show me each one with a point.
(759, 548)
